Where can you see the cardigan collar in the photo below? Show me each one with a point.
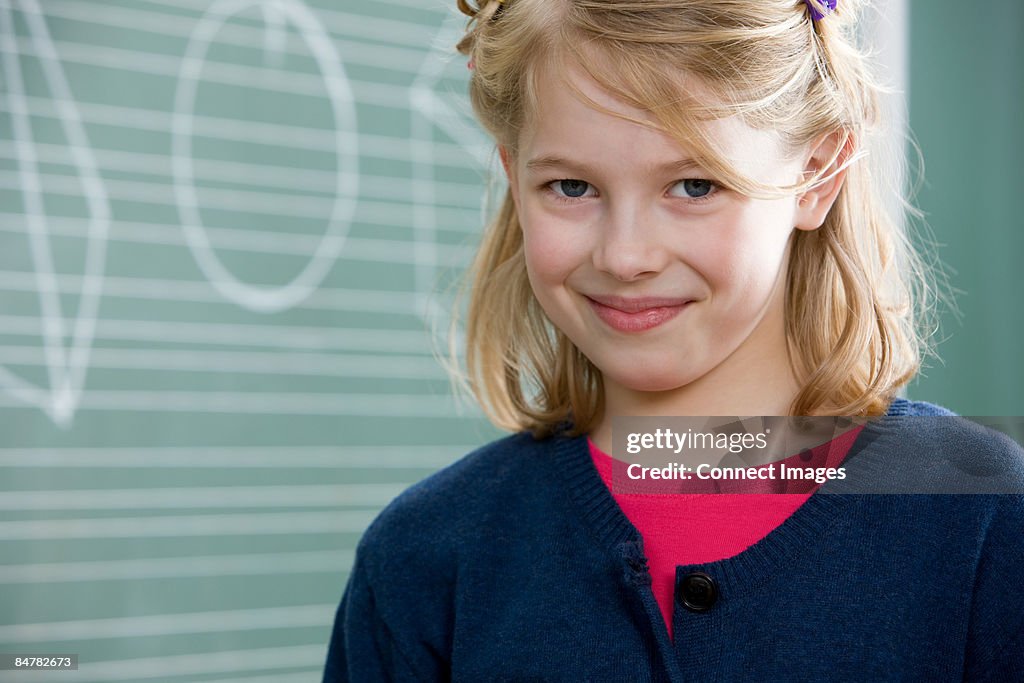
(787, 545)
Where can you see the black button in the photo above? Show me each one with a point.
(698, 592)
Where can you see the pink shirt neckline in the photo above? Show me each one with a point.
(696, 525)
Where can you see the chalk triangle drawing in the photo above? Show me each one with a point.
(443, 110)
(66, 354)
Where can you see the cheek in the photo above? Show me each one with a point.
(748, 254)
(550, 250)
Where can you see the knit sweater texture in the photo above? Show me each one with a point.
(688, 527)
(516, 564)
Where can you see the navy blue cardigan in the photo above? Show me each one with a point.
(516, 564)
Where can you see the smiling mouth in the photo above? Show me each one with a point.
(644, 318)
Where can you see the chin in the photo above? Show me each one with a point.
(653, 381)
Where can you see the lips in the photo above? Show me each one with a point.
(637, 304)
(637, 314)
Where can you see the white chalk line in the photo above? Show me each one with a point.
(220, 621)
(204, 497)
(284, 206)
(357, 249)
(182, 526)
(393, 32)
(285, 136)
(269, 176)
(292, 458)
(149, 569)
(276, 336)
(440, 406)
(198, 291)
(411, 368)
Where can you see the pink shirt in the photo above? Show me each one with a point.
(688, 528)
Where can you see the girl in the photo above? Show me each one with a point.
(693, 226)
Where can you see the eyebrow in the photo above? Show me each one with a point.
(550, 162)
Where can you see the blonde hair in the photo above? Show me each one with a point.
(857, 293)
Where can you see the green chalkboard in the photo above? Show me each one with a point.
(966, 102)
(227, 229)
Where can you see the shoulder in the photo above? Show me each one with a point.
(500, 468)
(942, 430)
(921, 447)
(442, 514)
(901, 406)
(429, 546)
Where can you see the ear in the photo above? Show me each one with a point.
(509, 162)
(503, 152)
(814, 204)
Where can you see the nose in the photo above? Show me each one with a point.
(630, 246)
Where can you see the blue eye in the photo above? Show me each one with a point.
(699, 185)
(572, 190)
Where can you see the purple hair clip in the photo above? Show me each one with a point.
(815, 14)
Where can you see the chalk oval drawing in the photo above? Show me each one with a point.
(262, 298)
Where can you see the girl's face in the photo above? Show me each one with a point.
(609, 214)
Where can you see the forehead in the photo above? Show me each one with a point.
(565, 126)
